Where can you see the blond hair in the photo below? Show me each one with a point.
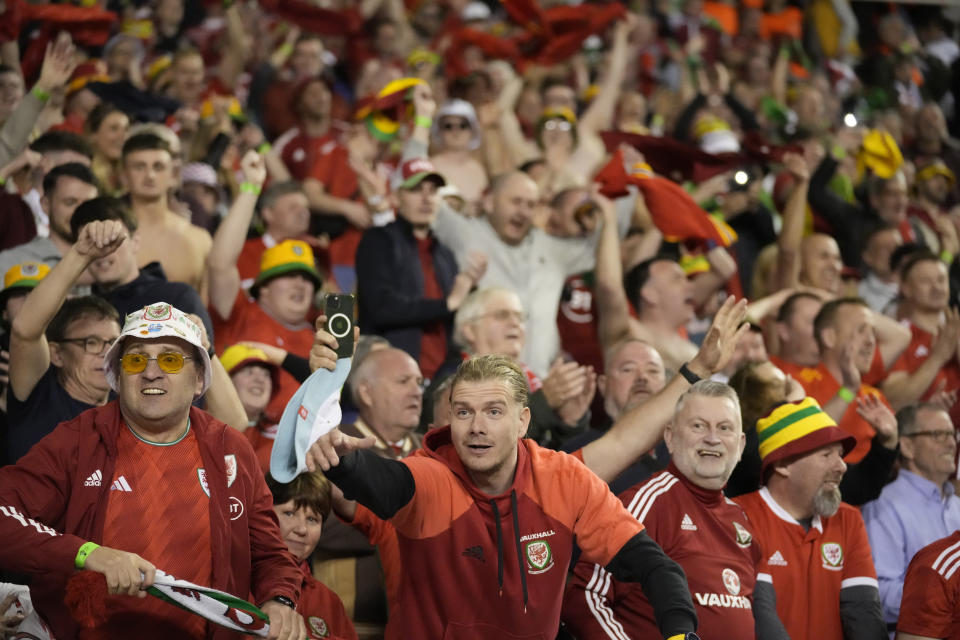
(498, 368)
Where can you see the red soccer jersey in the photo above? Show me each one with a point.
(873, 377)
(261, 437)
(249, 322)
(822, 386)
(921, 343)
(248, 264)
(931, 591)
(158, 486)
(322, 611)
(813, 565)
(706, 534)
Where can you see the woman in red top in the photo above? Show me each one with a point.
(301, 507)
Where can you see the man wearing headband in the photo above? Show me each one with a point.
(91, 494)
(813, 542)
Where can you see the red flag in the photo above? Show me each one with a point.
(309, 17)
(672, 209)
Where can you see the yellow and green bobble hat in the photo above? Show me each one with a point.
(237, 356)
(289, 255)
(796, 428)
(22, 277)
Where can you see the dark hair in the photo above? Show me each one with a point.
(789, 305)
(907, 416)
(915, 258)
(902, 253)
(75, 170)
(310, 490)
(276, 191)
(145, 142)
(828, 315)
(5, 68)
(62, 141)
(635, 279)
(98, 114)
(103, 208)
(74, 309)
(530, 165)
(550, 83)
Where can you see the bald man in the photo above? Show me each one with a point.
(820, 263)
(520, 257)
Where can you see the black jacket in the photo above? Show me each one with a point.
(390, 296)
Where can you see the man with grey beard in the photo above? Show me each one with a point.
(812, 540)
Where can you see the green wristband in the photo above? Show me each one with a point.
(946, 256)
(40, 94)
(85, 550)
(423, 121)
(846, 394)
(249, 187)
(264, 147)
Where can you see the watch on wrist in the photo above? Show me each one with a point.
(285, 600)
(688, 375)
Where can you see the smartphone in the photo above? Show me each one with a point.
(339, 309)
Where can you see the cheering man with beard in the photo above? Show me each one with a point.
(812, 541)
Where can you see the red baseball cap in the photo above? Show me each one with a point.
(414, 171)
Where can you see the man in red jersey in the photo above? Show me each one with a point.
(931, 593)
(815, 545)
(501, 512)
(685, 511)
(148, 481)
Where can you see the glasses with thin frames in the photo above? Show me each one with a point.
(168, 361)
(939, 436)
(562, 125)
(90, 344)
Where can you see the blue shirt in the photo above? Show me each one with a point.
(909, 514)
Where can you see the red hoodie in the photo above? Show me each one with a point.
(495, 567)
(55, 498)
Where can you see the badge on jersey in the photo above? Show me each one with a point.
(731, 581)
(318, 627)
(539, 556)
(230, 462)
(202, 476)
(743, 536)
(832, 554)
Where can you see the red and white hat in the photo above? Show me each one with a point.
(414, 171)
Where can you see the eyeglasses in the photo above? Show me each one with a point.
(941, 436)
(454, 125)
(168, 361)
(561, 125)
(91, 344)
(504, 315)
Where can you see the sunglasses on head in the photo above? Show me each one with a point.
(168, 361)
(454, 125)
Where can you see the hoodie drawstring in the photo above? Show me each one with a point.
(496, 518)
(516, 539)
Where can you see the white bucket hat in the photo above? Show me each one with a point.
(155, 321)
(461, 109)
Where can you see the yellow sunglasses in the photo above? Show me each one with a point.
(169, 362)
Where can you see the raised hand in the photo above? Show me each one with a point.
(322, 353)
(849, 373)
(285, 623)
(326, 451)
(564, 382)
(797, 165)
(424, 104)
(721, 339)
(253, 167)
(100, 238)
(58, 63)
(573, 409)
(126, 573)
(871, 409)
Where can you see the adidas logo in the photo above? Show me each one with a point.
(120, 484)
(95, 479)
(687, 524)
(776, 560)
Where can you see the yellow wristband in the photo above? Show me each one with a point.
(85, 550)
(846, 394)
(679, 636)
(249, 187)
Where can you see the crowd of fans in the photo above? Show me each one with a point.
(719, 238)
